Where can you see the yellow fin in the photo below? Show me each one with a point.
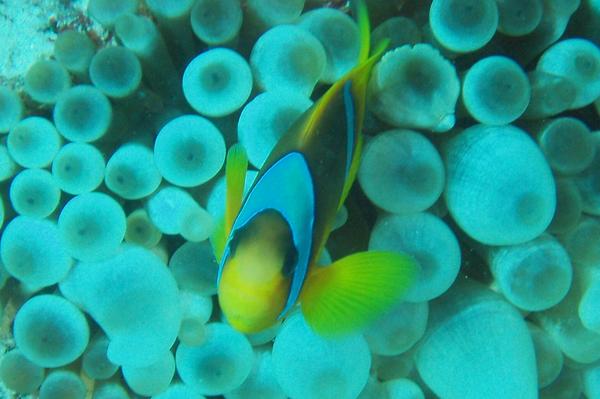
(353, 291)
(235, 177)
(218, 239)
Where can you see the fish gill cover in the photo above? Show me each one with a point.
(481, 161)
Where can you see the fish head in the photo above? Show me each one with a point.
(256, 276)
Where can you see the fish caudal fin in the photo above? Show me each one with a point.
(235, 177)
(353, 291)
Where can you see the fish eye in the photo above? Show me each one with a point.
(289, 263)
(234, 241)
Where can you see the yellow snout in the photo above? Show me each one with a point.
(253, 289)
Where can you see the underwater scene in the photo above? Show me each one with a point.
(304, 199)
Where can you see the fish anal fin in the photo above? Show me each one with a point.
(353, 291)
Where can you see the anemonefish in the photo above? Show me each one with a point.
(271, 238)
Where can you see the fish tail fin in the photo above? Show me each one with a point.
(235, 177)
(353, 291)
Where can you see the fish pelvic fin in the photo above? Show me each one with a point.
(347, 295)
(235, 176)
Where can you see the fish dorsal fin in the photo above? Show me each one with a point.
(287, 188)
(364, 27)
(353, 291)
(235, 176)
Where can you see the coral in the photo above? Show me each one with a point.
(116, 71)
(548, 356)
(401, 172)
(174, 211)
(184, 266)
(137, 337)
(403, 388)
(479, 159)
(429, 240)
(567, 145)
(261, 380)
(94, 362)
(110, 391)
(196, 310)
(19, 374)
(415, 87)
(217, 82)
(11, 109)
(92, 225)
(216, 22)
(263, 14)
(51, 331)
(78, 168)
(82, 114)
(568, 207)
(500, 361)
(46, 80)
(287, 58)
(578, 61)
(550, 95)
(398, 330)
(327, 368)
(7, 164)
(586, 182)
(131, 173)
(74, 50)
(464, 25)
(565, 327)
(535, 275)
(140, 229)
(218, 365)
(140, 35)
(338, 33)
(484, 162)
(34, 192)
(179, 391)
(33, 142)
(62, 384)
(189, 150)
(152, 379)
(519, 17)
(108, 11)
(33, 252)
(496, 90)
(398, 30)
(265, 119)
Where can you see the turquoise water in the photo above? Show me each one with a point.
(480, 161)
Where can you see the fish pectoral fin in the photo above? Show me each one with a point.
(353, 291)
(235, 178)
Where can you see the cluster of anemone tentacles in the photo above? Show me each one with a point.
(481, 160)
